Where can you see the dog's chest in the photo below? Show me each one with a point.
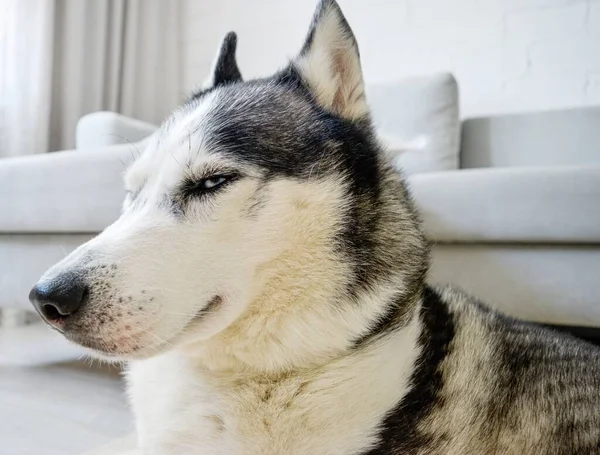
(179, 410)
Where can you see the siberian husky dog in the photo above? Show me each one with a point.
(266, 283)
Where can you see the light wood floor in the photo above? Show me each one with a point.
(61, 409)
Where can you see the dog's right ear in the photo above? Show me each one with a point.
(224, 69)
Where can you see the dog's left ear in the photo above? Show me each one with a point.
(225, 69)
(329, 64)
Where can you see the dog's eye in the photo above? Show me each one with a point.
(210, 183)
(206, 185)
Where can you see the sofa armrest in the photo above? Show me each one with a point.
(510, 205)
(63, 192)
(101, 129)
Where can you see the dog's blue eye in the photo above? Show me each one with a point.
(207, 185)
(210, 183)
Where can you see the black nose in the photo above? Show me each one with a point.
(59, 298)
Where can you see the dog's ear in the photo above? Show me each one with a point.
(329, 64)
(225, 69)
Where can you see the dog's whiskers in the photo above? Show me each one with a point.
(192, 314)
(160, 340)
(63, 250)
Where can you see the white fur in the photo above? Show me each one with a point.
(182, 406)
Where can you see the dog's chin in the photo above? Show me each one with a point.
(144, 343)
(116, 350)
(127, 348)
(136, 348)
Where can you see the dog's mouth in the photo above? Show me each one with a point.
(104, 345)
(137, 343)
(213, 305)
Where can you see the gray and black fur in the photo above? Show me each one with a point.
(225, 70)
(528, 390)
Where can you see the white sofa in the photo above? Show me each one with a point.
(511, 203)
(519, 229)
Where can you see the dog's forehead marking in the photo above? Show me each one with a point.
(267, 126)
(225, 120)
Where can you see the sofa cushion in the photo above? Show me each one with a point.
(69, 191)
(417, 121)
(500, 205)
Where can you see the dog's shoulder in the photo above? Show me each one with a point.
(487, 383)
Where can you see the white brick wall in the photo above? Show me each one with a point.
(508, 55)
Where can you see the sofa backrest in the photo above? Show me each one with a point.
(555, 138)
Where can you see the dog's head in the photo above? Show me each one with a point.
(253, 200)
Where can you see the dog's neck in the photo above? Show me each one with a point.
(288, 328)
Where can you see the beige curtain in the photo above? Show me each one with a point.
(66, 58)
(26, 28)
